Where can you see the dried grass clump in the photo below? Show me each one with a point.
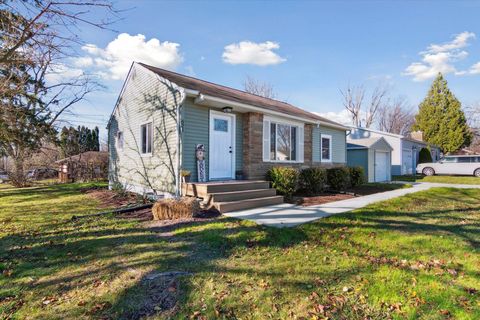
(169, 209)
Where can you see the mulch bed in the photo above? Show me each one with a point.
(109, 199)
(321, 198)
(327, 197)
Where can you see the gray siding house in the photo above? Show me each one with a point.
(405, 150)
(161, 117)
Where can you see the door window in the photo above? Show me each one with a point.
(220, 125)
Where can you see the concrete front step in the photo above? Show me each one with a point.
(247, 203)
(242, 195)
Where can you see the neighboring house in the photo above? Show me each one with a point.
(405, 149)
(161, 117)
(374, 155)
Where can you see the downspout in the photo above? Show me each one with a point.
(178, 182)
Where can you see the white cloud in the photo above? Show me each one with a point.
(60, 72)
(247, 52)
(113, 61)
(440, 58)
(460, 41)
(83, 62)
(475, 69)
(342, 117)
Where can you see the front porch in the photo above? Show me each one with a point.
(233, 195)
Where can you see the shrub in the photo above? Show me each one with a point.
(313, 180)
(168, 209)
(424, 156)
(284, 179)
(338, 178)
(357, 176)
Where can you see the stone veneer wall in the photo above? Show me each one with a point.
(253, 165)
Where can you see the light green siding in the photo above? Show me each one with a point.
(145, 99)
(338, 144)
(196, 131)
(358, 158)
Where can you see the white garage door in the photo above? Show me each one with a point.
(407, 161)
(381, 166)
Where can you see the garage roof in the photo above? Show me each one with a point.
(367, 143)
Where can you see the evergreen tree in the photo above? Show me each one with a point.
(424, 156)
(441, 119)
(74, 141)
(96, 139)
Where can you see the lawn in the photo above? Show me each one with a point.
(439, 179)
(414, 257)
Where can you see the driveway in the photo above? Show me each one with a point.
(290, 215)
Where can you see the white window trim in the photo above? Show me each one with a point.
(283, 121)
(149, 154)
(118, 140)
(329, 137)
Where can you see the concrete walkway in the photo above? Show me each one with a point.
(290, 215)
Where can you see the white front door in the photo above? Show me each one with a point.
(381, 166)
(222, 146)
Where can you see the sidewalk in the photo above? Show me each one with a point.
(290, 215)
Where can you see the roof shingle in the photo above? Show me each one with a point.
(227, 93)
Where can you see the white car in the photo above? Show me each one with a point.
(3, 175)
(452, 165)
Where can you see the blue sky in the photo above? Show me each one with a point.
(307, 50)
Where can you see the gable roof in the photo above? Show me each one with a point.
(366, 143)
(235, 95)
(394, 135)
(378, 131)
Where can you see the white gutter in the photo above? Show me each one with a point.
(204, 97)
(178, 183)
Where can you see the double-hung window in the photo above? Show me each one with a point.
(120, 140)
(326, 147)
(282, 142)
(146, 134)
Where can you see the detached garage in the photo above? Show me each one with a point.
(374, 155)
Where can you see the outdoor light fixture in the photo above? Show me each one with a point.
(227, 109)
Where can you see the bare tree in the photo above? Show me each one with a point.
(473, 117)
(35, 37)
(377, 100)
(354, 103)
(396, 117)
(28, 25)
(263, 89)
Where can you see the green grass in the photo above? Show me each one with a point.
(439, 179)
(414, 257)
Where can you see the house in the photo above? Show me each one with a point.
(405, 150)
(163, 122)
(86, 166)
(374, 155)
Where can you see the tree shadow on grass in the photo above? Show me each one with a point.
(71, 255)
(98, 252)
